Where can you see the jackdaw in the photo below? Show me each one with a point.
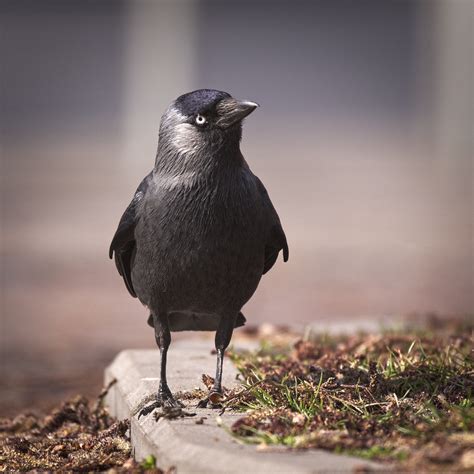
(200, 231)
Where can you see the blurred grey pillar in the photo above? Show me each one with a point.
(155, 75)
(453, 121)
(453, 70)
(453, 114)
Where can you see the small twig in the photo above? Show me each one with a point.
(103, 394)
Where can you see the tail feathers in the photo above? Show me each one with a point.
(196, 321)
(150, 321)
(240, 321)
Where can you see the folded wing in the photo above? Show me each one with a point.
(275, 239)
(123, 243)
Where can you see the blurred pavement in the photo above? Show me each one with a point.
(363, 141)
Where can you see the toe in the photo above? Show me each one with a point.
(148, 409)
(170, 402)
(203, 403)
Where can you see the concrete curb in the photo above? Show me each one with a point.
(207, 447)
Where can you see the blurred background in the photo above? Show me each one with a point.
(363, 139)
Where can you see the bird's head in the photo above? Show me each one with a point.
(204, 121)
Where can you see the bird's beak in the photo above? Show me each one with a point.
(230, 111)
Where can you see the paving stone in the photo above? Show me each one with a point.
(206, 447)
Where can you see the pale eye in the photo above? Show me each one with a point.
(200, 119)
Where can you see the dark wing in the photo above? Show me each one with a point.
(123, 243)
(276, 239)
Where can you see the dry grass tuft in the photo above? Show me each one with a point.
(403, 398)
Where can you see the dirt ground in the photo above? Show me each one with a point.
(402, 397)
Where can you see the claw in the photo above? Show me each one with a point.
(164, 400)
(172, 403)
(147, 410)
(203, 403)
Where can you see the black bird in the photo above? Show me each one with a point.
(200, 231)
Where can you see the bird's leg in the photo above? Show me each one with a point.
(223, 337)
(163, 339)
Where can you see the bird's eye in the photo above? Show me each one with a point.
(200, 119)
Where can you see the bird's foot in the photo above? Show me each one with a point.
(148, 409)
(214, 400)
(164, 399)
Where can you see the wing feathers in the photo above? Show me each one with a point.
(276, 239)
(123, 243)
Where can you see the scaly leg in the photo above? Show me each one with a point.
(223, 337)
(164, 396)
